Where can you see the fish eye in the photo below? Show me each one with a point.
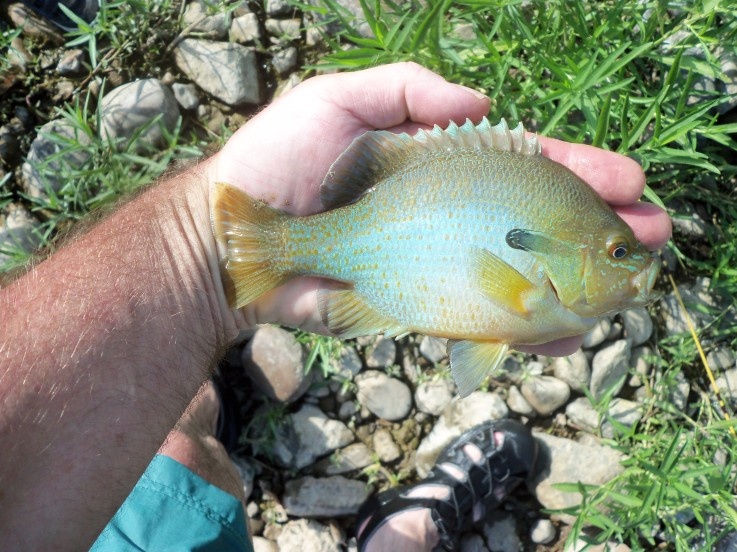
(617, 248)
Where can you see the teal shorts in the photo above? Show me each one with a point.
(172, 508)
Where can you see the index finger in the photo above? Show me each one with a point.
(618, 179)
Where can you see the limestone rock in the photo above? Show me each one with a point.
(227, 71)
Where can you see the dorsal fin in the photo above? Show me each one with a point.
(376, 155)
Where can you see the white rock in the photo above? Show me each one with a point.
(570, 462)
(316, 436)
(324, 497)
(186, 95)
(274, 360)
(432, 397)
(641, 365)
(385, 397)
(351, 458)
(545, 393)
(542, 531)
(582, 415)
(609, 368)
(45, 165)
(621, 411)
(227, 71)
(260, 544)
(574, 370)
(596, 335)
(434, 349)
(638, 326)
(517, 403)
(284, 29)
(245, 29)
(198, 20)
(129, 107)
(19, 231)
(284, 60)
(307, 535)
(382, 353)
(385, 447)
(459, 416)
(721, 358)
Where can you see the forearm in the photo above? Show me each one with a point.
(103, 345)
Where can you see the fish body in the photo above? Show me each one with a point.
(467, 233)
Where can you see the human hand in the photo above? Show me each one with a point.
(282, 155)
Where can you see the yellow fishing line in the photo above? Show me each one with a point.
(709, 373)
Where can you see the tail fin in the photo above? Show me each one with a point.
(242, 224)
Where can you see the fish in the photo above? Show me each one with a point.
(467, 233)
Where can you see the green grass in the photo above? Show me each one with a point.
(607, 73)
(621, 76)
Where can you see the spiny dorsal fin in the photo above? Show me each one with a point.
(376, 155)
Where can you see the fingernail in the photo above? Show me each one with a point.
(476, 93)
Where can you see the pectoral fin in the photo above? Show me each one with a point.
(537, 242)
(346, 314)
(502, 283)
(471, 362)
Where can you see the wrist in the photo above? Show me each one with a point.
(195, 241)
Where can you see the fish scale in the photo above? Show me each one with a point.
(467, 233)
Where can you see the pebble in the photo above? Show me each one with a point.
(583, 415)
(641, 365)
(598, 334)
(274, 361)
(382, 354)
(690, 224)
(386, 398)
(721, 358)
(609, 368)
(324, 497)
(276, 8)
(432, 397)
(18, 55)
(227, 71)
(284, 29)
(545, 393)
(517, 403)
(567, 461)
(316, 436)
(574, 370)
(434, 349)
(246, 472)
(459, 416)
(347, 410)
(500, 531)
(186, 95)
(127, 108)
(260, 544)
(32, 25)
(621, 411)
(39, 171)
(542, 531)
(638, 326)
(197, 20)
(672, 313)
(348, 365)
(284, 61)
(307, 534)
(71, 64)
(19, 229)
(385, 447)
(245, 29)
(351, 458)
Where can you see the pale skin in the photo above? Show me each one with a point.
(105, 343)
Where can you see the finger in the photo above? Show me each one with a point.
(618, 179)
(651, 225)
(386, 96)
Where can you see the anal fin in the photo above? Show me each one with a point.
(471, 362)
(346, 314)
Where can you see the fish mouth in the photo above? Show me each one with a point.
(644, 281)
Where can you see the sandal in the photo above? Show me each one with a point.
(482, 485)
